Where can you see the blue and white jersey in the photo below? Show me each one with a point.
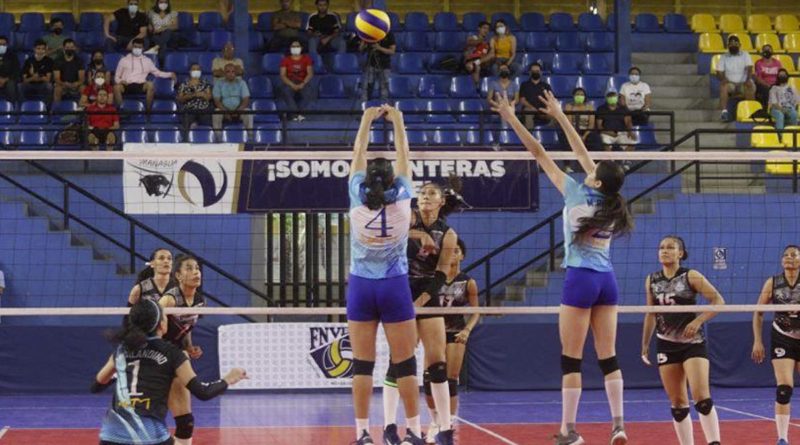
(379, 238)
(593, 250)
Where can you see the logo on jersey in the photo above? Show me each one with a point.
(662, 358)
(153, 176)
(331, 352)
(779, 352)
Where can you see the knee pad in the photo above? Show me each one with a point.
(363, 367)
(704, 406)
(438, 372)
(608, 365)
(426, 383)
(184, 426)
(784, 394)
(570, 365)
(453, 386)
(680, 413)
(406, 368)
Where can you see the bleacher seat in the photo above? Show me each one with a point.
(791, 136)
(264, 22)
(647, 23)
(568, 41)
(67, 18)
(255, 42)
(164, 112)
(133, 136)
(588, 22)
(434, 86)
(34, 138)
(417, 137)
(164, 88)
(28, 40)
(533, 22)
(769, 39)
(474, 137)
(611, 21)
(435, 60)
(710, 42)
(703, 23)
(260, 87)
(36, 112)
(201, 135)
(787, 62)
(561, 21)
(463, 87)
(331, 87)
(548, 136)
(729, 23)
(769, 138)
(439, 106)
(177, 62)
(508, 137)
(745, 109)
(167, 136)
(596, 64)
(779, 166)
(90, 41)
(450, 41)
(714, 64)
(185, 21)
(507, 17)
(410, 107)
(468, 107)
(410, 63)
(271, 63)
(7, 139)
(470, 21)
(595, 86)
(567, 63)
(758, 23)
(445, 21)
(676, 23)
(7, 22)
(416, 41)
(794, 82)
(745, 43)
(206, 61)
(209, 21)
(563, 85)
(346, 63)
(6, 110)
(791, 42)
(268, 136)
(234, 135)
(218, 38)
(599, 42)
(135, 108)
(231, 24)
(401, 87)
(786, 23)
(540, 41)
(645, 136)
(267, 111)
(446, 137)
(543, 58)
(416, 21)
(31, 22)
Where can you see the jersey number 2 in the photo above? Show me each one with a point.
(134, 391)
(383, 227)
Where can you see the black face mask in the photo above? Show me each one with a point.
(734, 49)
(69, 52)
(505, 74)
(98, 62)
(767, 54)
(536, 75)
(57, 31)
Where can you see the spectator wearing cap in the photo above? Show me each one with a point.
(734, 70)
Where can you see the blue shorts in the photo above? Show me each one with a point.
(387, 300)
(585, 288)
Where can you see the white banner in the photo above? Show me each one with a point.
(181, 186)
(296, 355)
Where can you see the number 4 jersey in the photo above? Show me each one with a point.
(674, 291)
(378, 238)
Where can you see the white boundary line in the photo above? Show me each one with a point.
(755, 416)
(484, 430)
(4, 431)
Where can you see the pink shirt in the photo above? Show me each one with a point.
(132, 69)
(767, 70)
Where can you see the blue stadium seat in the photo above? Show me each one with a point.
(561, 21)
(417, 137)
(231, 25)
(319, 65)
(540, 41)
(435, 60)
(271, 63)
(410, 63)
(209, 21)
(647, 23)
(63, 112)
(31, 22)
(569, 41)
(434, 86)
(567, 63)
(378, 136)
(201, 135)
(163, 136)
(611, 21)
(401, 87)
(373, 103)
(507, 17)
(347, 63)
(218, 38)
(562, 85)
(440, 106)
(470, 106)
(112, 60)
(416, 41)
(474, 137)
(264, 22)
(595, 86)
(135, 108)
(616, 82)
(544, 58)
(268, 136)
(33, 106)
(446, 137)
(445, 21)
(470, 21)
(67, 18)
(193, 41)
(450, 41)
(176, 62)
(260, 87)
(164, 112)
(255, 42)
(588, 22)
(416, 21)
(34, 138)
(7, 22)
(206, 61)
(234, 135)
(646, 136)
(508, 137)
(90, 41)
(133, 136)
(26, 41)
(331, 87)
(548, 136)
(410, 107)
(7, 139)
(185, 21)
(6, 108)
(596, 64)
(164, 88)
(90, 21)
(599, 42)
(463, 87)
(676, 23)
(533, 22)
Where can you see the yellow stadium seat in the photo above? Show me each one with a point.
(765, 139)
(711, 43)
(769, 39)
(731, 23)
(715, 64)
(745, 44)
(794, 82)
(703, 23)
(787, 62)
(755, 57)
(786, 23)
(779, 166)
(791, 42)
(788, 136)
(745, 109)
(758, 23)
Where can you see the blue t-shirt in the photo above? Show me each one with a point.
(379, 238)
(593, 250)
(231, 93)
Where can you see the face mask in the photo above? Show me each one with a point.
(782, 79)
(163, 6)
(69, 52)
(634, 78)
(57, 31)
(536, 75)
(767, 54)
(98, 62)
(99, 81)
(505, 74)
(734, 49)
(133, 9)
(612, 100)
(137, 52)
(501, 30)
(296, 51)
(3, 49)
(580, 99)
(196, 74)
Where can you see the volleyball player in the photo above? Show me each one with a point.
(785, 337)
(186, 293)
(146, 367)
(594, 212)
(458, 291)
(378, 291)
(431, 249)
(681, 345)
(155, 279)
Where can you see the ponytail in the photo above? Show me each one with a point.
(142, 322)
(453, 201)
(612, 216)
(378, 189)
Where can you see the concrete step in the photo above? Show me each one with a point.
(659, 80)
(684, 103)
(696, 116)
(640, 59)
(668, 68)
(680, 93)
(536, 278)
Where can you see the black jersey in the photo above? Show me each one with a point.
(674, 291)
(787, 323)
(148, 289)
(454, 294)
(422, 265)
(181, 325)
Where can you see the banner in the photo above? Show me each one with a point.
(322, 185)
(296, 355)
(181, 186)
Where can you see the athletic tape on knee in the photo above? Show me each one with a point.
(608, 365)
(438, 372)
(704, 406)
(453, 386)
(783, 395)
(570, 365)
(184, 426)
(680, 413)
(406, 368)
(426, 383)
(363, 367)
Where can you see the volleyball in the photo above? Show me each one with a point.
(372, 25)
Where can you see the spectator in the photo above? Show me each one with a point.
(477, 54)
(378, 65)
(297, 69)
(219, 63)
(503, 85)
(194, 98)
(9, 71)
(102, 120)
(530, 97)
(324, 30)
(163, 22)
(231, 98)
(68, 73)
(287, 25)
(37, 74)
(615, 124)
(734, 71)
(504, 48)
(581, 114)
(89, 92)
(783, 100)
(766, 74)
(97, 65)
(131, 25)
(131, 74)
(635, 95)
(55, 40)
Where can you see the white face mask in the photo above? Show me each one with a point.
(133, 9)
(195, 74)
(163, 6)
(137, 52)
(99, 81)
(635, 78)
(501, 30)
(3, 49)
(296, 51)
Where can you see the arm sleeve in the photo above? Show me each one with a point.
(354, 186)
(206, 391)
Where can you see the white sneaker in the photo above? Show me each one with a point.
(433, 430)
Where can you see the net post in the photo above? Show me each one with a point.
(132, 245)
(66, 205)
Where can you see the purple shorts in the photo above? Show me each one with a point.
(387, 300)
(585, 288)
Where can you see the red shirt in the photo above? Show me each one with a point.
(101, 120)
(481, 49)
(297, 69)
(767, 70)
(90, 91)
